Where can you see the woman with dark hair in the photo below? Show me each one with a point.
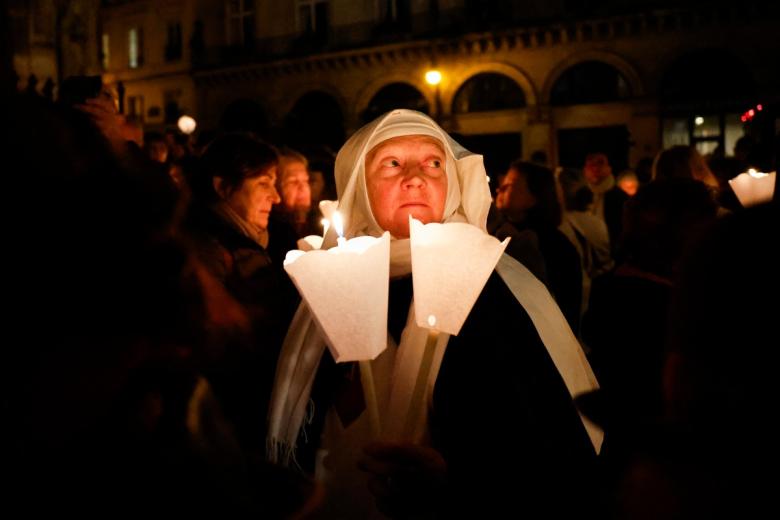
(528, 199)
(233, 192)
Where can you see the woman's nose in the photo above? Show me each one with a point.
(413, 177)
(275, 197)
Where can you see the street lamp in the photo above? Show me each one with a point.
(187, 124)
(433, 78)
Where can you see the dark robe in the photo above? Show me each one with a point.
(502, 417)
(505, 422)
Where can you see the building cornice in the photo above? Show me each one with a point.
(652, 23)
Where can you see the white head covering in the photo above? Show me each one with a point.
(468, 192)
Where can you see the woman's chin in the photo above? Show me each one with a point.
(400, 227)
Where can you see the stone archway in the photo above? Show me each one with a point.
(488, 91)
(626, 70)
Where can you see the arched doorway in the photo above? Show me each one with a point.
(392, 96)
(486, 92)
(491, 92)
(589, 82)
(585, 83)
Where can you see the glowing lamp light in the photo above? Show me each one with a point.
(751, 112)
(760, 107)
(699, 121)
(433, 77)
(186, 124)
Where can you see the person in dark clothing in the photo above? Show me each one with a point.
(608, 199)
(501, 433)
(528, 199)
(233, 194)
(625, 325)
(720, 431)
(106, 409)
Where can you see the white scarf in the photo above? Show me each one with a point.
(468, 200)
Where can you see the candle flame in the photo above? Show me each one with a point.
(431, 321)
(338, 223)
(756, 174)
(325, 225)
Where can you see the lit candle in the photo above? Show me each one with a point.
(417, 403)
(338, 225)
(325, 226)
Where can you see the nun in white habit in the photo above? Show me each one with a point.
(501, 431)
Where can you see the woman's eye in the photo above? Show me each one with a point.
(434, 163)
(391, 163)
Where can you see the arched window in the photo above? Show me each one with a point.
(589, 82)
(392, 96)
(315, 118)
(488, 91)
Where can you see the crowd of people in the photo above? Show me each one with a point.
(616, 364)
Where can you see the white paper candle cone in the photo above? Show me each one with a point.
(346, 289)
(450, 265)
(754, 187)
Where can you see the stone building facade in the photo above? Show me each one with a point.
(517, 77)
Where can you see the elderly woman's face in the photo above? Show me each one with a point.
(296, 193)
(406, 176)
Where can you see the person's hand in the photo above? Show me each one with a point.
(406, 479)
(111, 123)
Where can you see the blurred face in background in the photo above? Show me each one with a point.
(700, 171)
(596, 168)
(296, 193)
(513, 197)
(158, 151)
(629, 184)
(405, 176)
(254, 198)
